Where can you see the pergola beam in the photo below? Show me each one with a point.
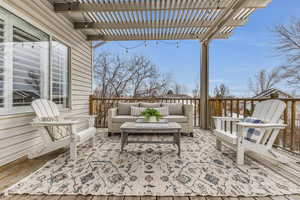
(152, 37)
(228, 14)
(155, 24)
(146, 6)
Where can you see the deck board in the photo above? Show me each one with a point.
(100, 198)
(293, 197)
(148, 198)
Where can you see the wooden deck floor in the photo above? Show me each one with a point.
(80, 197)
(14, 172)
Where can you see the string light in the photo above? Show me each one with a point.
(145, 44)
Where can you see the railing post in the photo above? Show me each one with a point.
(91, 105)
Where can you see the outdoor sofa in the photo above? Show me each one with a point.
(180, 113)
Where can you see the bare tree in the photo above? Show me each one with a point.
(221, 91)
(142, 69)
(264, 80)
(136, 76)
(178, 88)
(196, 90)
(288, 46)
(34, 80)
(111, 75)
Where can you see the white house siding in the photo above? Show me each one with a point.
(17, 137)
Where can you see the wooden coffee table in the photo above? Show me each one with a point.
(155, 128)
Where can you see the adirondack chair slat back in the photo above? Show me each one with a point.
(45, 109)
(269, 111)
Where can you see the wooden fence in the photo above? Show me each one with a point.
(289, 138)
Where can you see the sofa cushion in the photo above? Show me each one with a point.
(125, 108)
(150, 105)
(174, 108)
(176, 118)
(124, 118)
(136, 111)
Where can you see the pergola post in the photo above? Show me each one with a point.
(204, 85)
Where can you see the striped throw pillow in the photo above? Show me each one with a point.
(136, 111)
(164, 111)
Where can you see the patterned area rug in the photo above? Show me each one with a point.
(154, 169)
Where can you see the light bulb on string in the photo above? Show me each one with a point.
(145, 44)
(177, 44)
(157, 43)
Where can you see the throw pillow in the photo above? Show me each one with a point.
(252, 133)
(164, 111)
(125, 108)
(136, 111)
(150, 105)
(174, 108)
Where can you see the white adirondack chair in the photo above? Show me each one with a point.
(48, 121)
(269, 112)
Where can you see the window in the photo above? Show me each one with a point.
(60, 73)
(25, 71)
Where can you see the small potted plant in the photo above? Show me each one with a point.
(151, 115)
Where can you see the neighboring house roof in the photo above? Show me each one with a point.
(271, 91)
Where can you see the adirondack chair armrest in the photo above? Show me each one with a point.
(264, 126)
(90, 118)
(233, 119)
(85, 117)
(54, 123)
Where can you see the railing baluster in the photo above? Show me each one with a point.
(252, 107)
(293, 119)
(245, 109)
(199, 112)
(195, 110)
(285, 119)
(225, 108)
(238, 108)
(231, 108)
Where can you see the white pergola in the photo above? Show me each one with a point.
(124, 20)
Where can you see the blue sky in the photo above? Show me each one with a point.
(232, 61)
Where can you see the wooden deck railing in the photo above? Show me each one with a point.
(289, 138)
